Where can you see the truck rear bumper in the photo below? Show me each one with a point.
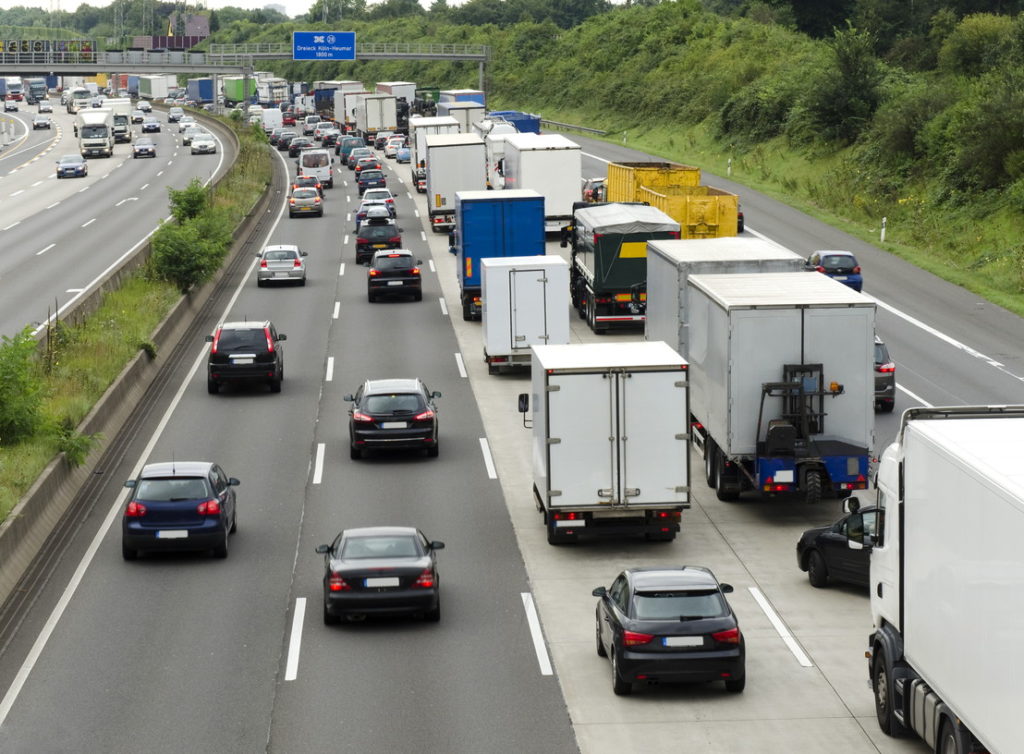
(567, 525)
(504, 362)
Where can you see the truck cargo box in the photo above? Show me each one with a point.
(701, 211)
(455, 162)
(626, 178)
(550, 164)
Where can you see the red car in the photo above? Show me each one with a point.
(288, 119)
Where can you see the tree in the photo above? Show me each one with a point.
(190, 201)
(846, 94)
(214, 21)
(396, 9)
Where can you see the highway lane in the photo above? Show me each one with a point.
(190, 630)
(59, 235)
(26, 144)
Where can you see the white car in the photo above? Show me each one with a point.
(10, 105)
(382, 195)
(186, 122)
(393, 145)
(204, 143)
(45, 106)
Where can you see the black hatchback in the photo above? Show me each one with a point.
(374, 235)
(394, 273)
(398, 413)
(245, 352)
(665, 624)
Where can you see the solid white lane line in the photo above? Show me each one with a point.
(444, 306)
(537, 635)
(461, 365)
(88, 222)
(488, 461)
(337, 310)
(330, 369)
(431, 263)
(915, 396)
(423, 235)
(291, 670)
(318, 465)
(341, 270)
(780, 627)
(12, 225)
(43, 251)
(595, 157)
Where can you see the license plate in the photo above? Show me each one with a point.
(280, 274)
(380, 246)
(393, 425)
(172, 534)
(577, 524)
(241, 361)
(683, 641)
(382, 581)
(840, 277)
(394, 282)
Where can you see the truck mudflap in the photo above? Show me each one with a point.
(658, 525)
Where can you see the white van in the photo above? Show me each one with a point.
(317, 162)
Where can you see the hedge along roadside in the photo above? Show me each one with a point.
(26, 529)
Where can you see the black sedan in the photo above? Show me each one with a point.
(663, 624)
(825, 553)
(381, 570)
(393, 414)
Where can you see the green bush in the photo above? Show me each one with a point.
(190, 201)
(978, 44)
(21, 391)
(183, 257)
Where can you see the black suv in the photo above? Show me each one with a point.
(245, 352)
(885, 378)
(394, 273)
(393, 414)
(374, 235)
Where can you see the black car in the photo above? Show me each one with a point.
(374, 235)
(397, 413)
(664, 624)
(331, 138)
(825, 553)
(381, 570)
(370, 178)
(299, 143)
(284, 140)
(179, 505)
(245, 352)
(394, 273)
(885, 378)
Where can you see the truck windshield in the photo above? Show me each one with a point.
(121, 120)
(93, 132)
(81, 94)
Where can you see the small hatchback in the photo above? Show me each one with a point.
(394, 273)
(838, 265)
(181, 505)
(305, 201)
(284, 263)
(375, 235)
(670, 624)
(245, 352)
(369, 179)
(393, 414)
(885, 378)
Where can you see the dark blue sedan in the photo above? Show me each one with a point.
(838, 265)
(72, 166)
(372, 179)
(180, 505)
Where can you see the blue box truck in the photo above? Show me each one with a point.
(525, 123)
(200, 90)
(493, 224)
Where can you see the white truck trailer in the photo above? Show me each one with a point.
(947, 575)
(466, 113)
(121, 108)
(494, 151)
(610, 439)
(782, 383)
(95, 132)
(525, 303)
(345, 103)
(670, 263)
(379, 112)
(399, 89)
(455, 162)
(550, 164)
(419, 130)
(153, 87)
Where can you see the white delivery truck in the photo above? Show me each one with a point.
(550, 164)
(419, 129)
(455, 162)
(494, 152)
(670, 263)
(345, 103)
(947, 575)
(78, 99)
(484, 126)
(610, 439)
(272, 118)
(399, 89)
(95, 132)
(782, 383)
(122, 110)
(379, 112)
(153, 87)
(466, 113)
(525, 303)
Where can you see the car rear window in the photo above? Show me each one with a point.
(360, 548)
(667, 605)
(400, 262)
(304, 193)
(371, 175)
(279, 255)
(373, 232)
(837, 261)
(172, 489)
(395, 403)
(232, 340)
(881, 353)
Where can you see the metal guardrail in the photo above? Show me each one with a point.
(571, 127)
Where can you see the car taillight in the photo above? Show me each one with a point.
(374, 273)
(633, 638)
(208, 508)
(316, 199)
(359, 416)
(337, 584)
(856, 270)
(819, 268)
(428, 414)
(216, 341)
(135, 510)
(395, 239)
(298, 263)
(291, 201)
(414, 271)
(887, 367)
(263, 264)
(426, 579)
(729, 636)
(270, 340)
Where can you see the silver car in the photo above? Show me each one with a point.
(282, 263)
(186, 122)
(204, 143)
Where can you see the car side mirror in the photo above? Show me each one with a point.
(349, 397)
(524, 402)
(435, 394)
(726, 588)
(304, 253)
(282, 336)
(233, 482)
(130, 484)
(435, 545)
(208, 338)
(600, 591)
(323, 549)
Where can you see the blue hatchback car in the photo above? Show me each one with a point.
(181, 505)
(838, 265)
(371, 179)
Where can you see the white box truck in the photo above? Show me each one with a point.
(378, 113)
(419, 129)
(947, 575)
(455, 162)
(670, 263)
(399, 89)
(345, 103)
(121, 108)
(272, 117)
(95, 132)
(782, 383)
(525, 303)
(550, 164)
(610, 439)
(494, 151)
(466, 113)
(153, 87)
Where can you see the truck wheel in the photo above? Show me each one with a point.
(710, 451)
(949, 743)
(817, 571)
(467, 311)
(721, 492)
(812, 486)
(881, 685)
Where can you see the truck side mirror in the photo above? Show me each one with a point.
(524, 402)
(566, 232)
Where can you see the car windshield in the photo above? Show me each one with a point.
(171, 490)
(371, 175)
(70, 159)
(232, 340)
(362, 548)
(373, 232)
(688, 605)
(144, 143)
(395, 403)
(279, 255)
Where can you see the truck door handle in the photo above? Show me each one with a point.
(604, 493)
(878, 589)
(631, 492)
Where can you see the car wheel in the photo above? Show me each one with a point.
(128, 553)
(418, 296)
(354, 453)
(275, 386)
(736, 685)
(329, 619)
(433, 616)
(619, 686)
(221, 550)
(817, 571)
(881, 686)
(302, 282)
(260, 283)
(601, 652)
(212, 387)
(234, 523)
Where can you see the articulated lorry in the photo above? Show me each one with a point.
(609, 261)
(610, 439)
(781, 383)
(947, 575)
(419, 130)
(455, 162)
(461, 95)
(95, 132)
(550, 164)
(235, 92)
(379, 112)
(491, 225)
(399, 89)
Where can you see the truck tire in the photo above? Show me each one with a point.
(467, 311)
(721, 492)
(812, 486)
(710, 450)
(817, 571)
(949, 742)
(881, 685)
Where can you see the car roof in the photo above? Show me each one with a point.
(679, 577)
(175, 469)
(377, 211)
(281, 247)
(379, 531)
(249, 325)
(834, 252)
(391, 385)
